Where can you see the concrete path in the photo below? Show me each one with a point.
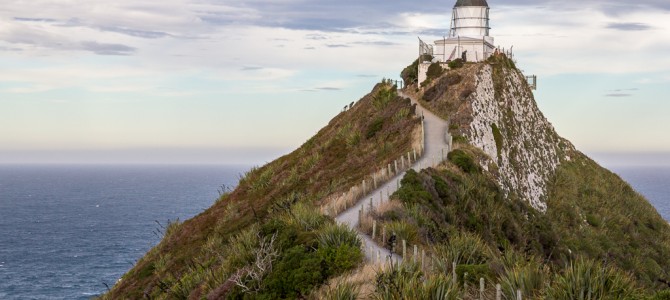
(435, 149)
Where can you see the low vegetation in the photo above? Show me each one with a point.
(462, 216)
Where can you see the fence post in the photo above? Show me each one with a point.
(498, 292)
(518, 295)
(481, 288)
(374, 181)
(364, 187)
(414, 150)
(423, 258)
(416, 253)
(404, 249)
(396, 166)
(360, 216)
(409, 159)
(390, 170)
(374, 229)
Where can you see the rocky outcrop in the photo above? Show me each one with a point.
(508, 126)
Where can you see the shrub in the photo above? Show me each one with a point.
(434, 70)
(463, 248)
(497, 136)
(304, 216)
(662, 295)
(410, 74)
(408, 282)
(337, 260)
(403, 231)
(294, 275)
(463, 161)
(528, 276)
(374, 127)
(336, 235)
(412, 190)
(588, 279)
(342, 291)
(456, 64)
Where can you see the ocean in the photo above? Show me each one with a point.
(66, 231)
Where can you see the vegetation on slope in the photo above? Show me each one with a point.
(273, 208)
(598, 238)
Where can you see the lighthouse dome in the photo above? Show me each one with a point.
(462, 3)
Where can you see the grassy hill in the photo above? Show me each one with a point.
(276, 207)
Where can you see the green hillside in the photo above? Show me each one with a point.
(276, 207)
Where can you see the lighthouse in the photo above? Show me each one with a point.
(468, 37)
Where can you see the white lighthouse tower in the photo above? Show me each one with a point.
(468, 37)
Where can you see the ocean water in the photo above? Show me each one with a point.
(651, 182)
(65, 231)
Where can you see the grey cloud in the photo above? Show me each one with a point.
(376, 43)
(107, 49)
(337, 46)
(325, 88)
(629, 26)
(618, 95)
(366, 75)
(146, 34)
(251, 68)
(316, 36)
(45, 20)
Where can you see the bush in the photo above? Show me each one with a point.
(294, 275)
(474, 273)
(434, 70)
(412, 190)
(497, 136)
(463, 248)
(342, 291)
(662, 295)
(456, 64)
(340, 259)
(403, 231)
(374, 127)
(588, 279)
(410, 74)
(336, 235)
(463, 161)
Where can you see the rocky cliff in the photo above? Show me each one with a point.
(491, 106)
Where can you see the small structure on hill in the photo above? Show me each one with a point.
(468, 37)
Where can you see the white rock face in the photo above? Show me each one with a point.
(530, 148)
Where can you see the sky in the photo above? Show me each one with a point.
(232, 81)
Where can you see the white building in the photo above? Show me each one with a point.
(468, 37)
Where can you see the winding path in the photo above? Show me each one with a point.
(435, 149)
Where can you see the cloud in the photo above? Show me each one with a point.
(337, 46)
(629, 26)
(618, 95)
(146, 34)
(251, 68)
(107, 49)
